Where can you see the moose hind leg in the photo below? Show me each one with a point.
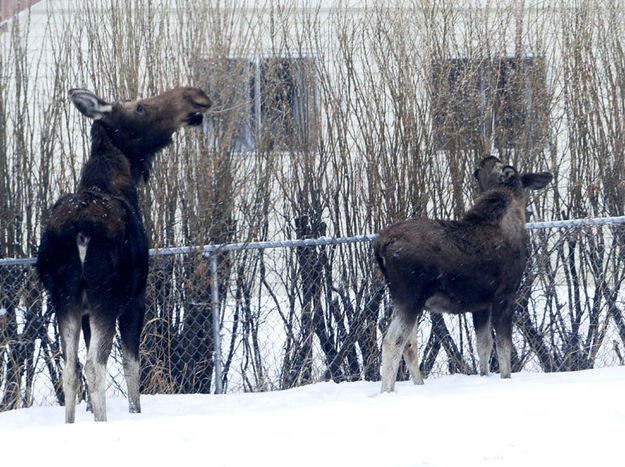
(130, 325)
(86, 334)
(503, 336)
(484, 338)
(102, 333)
(411, 356)
(393, 344)
(69, 329)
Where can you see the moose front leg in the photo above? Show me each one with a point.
(502, 317)
(130, 325)
(484, 337)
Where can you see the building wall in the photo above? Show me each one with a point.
(10, 7)
(376, 156)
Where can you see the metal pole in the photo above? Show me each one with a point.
(216, 328)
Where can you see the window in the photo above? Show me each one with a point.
(263, 104)
(521, 110)
(480, 104)
(458, 107)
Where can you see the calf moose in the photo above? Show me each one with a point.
(93, 256)
(472, 265)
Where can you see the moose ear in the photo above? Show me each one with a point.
(507, 173)
(536, 181)
(89, 104)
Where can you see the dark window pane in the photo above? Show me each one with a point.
(232, 124)
(521, 104)
(264, 104)
(458, 92)
(288, 105)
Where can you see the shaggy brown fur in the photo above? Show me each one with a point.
(93, 256)
(473, 265)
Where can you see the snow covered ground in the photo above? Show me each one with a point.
(572, 419)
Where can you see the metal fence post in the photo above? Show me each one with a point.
(216, 327)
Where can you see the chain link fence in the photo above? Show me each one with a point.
(274, 315)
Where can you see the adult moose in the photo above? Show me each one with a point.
(93, 256)
(474, 264)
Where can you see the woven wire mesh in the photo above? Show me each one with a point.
(292, 315)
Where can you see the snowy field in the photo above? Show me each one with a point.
(534, 419)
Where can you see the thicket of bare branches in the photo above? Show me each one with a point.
(327, 121)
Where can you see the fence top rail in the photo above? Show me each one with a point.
(575, 223)
(322, 241)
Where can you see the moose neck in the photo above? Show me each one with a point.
(493, 205)
(111, 170)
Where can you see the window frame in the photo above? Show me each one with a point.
(257, 134)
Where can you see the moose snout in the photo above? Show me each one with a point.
(199, 99)
(201, 103)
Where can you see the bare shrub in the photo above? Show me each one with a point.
(329, 121)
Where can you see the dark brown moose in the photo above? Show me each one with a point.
(93, 256)
(474, 265)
